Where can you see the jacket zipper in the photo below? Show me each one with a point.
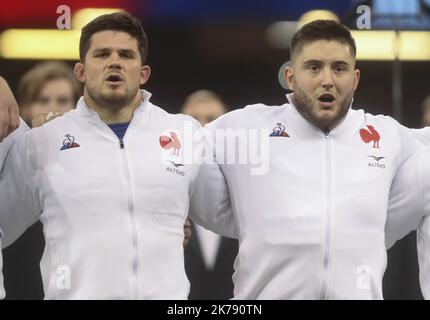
(328, 213)
(135, 254)
(130, 203)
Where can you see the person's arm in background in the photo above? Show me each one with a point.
(409, 209)
(5, 146)
(20, 205)
(423, 234)
(405, 210)
(210, 204)
(423, 248)
(9, 114)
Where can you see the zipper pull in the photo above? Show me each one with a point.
(121, 143)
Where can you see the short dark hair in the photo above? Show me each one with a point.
(322, 30)
(118, 21)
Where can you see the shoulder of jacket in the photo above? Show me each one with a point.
(247, 113)
(47, 130)
(423, 156)
(173, 118)
(379, 117)
(261, 108)
(382, 120)
(56, 123)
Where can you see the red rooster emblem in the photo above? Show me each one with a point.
(370, 135)
(172, 142)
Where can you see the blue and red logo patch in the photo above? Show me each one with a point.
(69, 142)
(279, 131)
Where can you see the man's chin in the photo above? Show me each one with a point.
(324, 117)
(112, 99)
(327, 114)
(329, 118)
(114, 95)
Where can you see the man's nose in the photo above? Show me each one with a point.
(114, 61)
(327, 78)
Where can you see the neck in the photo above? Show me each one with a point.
(336, 123)
(114, 115)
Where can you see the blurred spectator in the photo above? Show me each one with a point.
(209, 257)
(47, 90)
(204, 106)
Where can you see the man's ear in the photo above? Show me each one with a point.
(289, 77)
(79, 71)
(356, 78)
(145, 72)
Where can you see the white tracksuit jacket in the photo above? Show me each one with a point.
(112, 212)
(4, 149)
(409, 209)
(312, 227)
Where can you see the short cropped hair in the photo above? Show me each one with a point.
(118, 21)
(322, 30)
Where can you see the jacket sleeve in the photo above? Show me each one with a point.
(405, 206)
(422, 135)
(210, 204)
(4, 149)
(411, 142)
(423, 235)
(2, 293)
(20, 205)
(10, 140)
(423, 246)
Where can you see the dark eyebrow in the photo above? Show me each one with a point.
(341, 62)
(97, 50)
(109, 49)
(315, 61)
(312, 61)
(129, 51)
